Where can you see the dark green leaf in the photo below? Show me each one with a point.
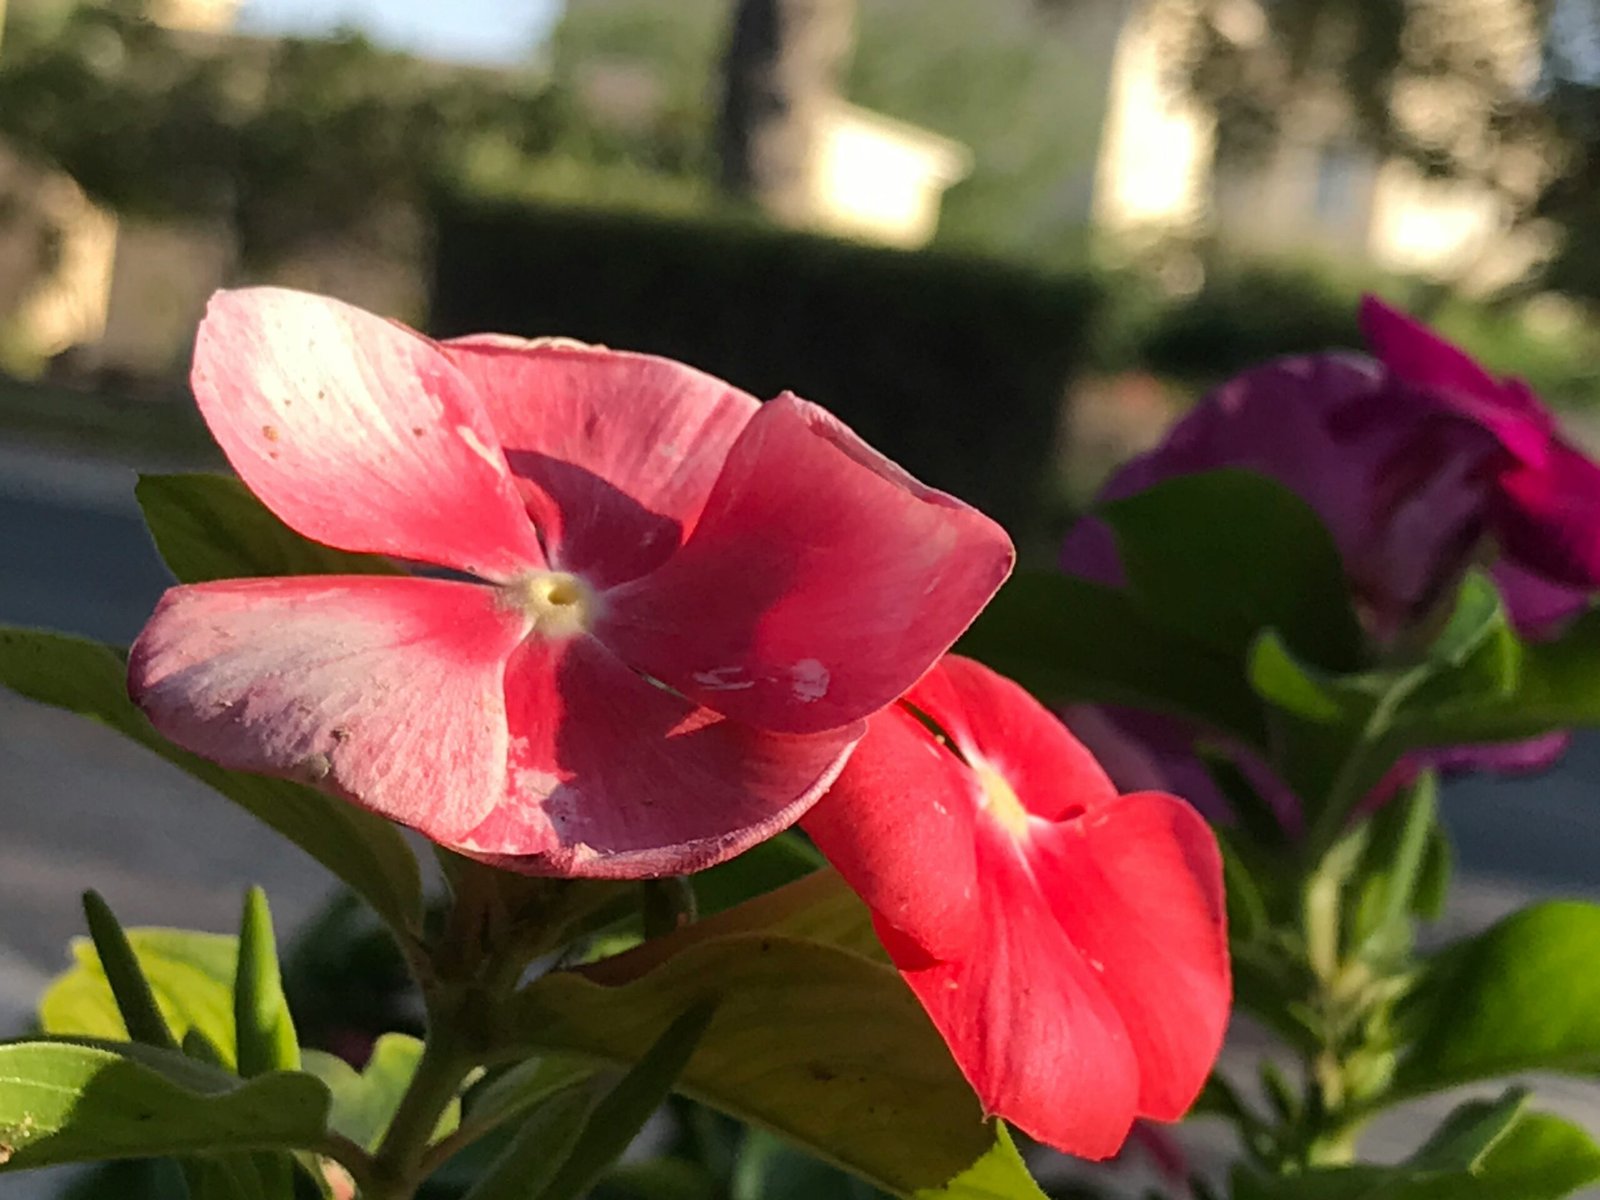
(264, 1029)
(211, 527)
(512, 1092)
(769, 865)
(136, 1005)
(612, 1123)
(64, 1102)
(1066, 639)
(1479, 1154)
(821, 1045)
(1523, 996)
(365, 851)
(1224, 554)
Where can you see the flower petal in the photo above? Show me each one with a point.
(1026, 1017)
(358, 432)
(995, 722)
(612, 776)
(386, 691)
(820, 583)
(1549, 519)
(625, 446)
(1137, 887)
(898, 826)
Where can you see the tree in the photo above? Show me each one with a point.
(784, 62)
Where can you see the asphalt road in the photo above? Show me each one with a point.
(81, 807)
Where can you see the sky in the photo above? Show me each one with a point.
(487, 31)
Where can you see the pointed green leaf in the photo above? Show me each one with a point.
(533, 1158)
(515, 1091)
(612, 1123)
(1522, 996)
(211, 527)
(66, 1102)
(190, 976)
(129, 989)
(263, 1028)
(88, 678)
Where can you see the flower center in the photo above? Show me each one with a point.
(558, 604)
(1001, 803)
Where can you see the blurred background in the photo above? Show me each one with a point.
(1007, 240)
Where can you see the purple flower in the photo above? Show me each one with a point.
(1421, 464)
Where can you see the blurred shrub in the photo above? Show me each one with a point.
(955, 367)
(1246, 314)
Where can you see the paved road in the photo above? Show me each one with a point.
(82, 807)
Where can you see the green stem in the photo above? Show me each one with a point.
(397, 1166)
(1355, 775)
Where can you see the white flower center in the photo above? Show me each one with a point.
(1001, 802)
(558, 604)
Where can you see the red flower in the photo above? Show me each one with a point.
(678, 604)
(1069, 943)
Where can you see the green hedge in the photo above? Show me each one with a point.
(955, 367)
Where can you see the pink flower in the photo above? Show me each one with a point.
(1412, 461)
(1415, 461)
(1069, 943)
(665, 610)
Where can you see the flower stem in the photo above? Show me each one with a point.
(396, 1170)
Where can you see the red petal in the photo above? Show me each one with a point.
(1137, 887)
(358, 432)
(1025, 1016)
(386, 691)
(898, 825)
(820, 583)
(612, 776)
(995, 722)
(625, 447)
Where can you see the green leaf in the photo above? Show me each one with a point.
(998, 1175)
(211, 527)
(190, 977)
(64, 1102)
(821, 1045)
(365, 851)
(1224, 554)
(1066, 639)
(1486, 1151)
(364, 1102)
(532, 1159)
(1522, 996)
(612, 1123)
(129, 988)
(264, 1030)
(512, 1092)
(766, 866)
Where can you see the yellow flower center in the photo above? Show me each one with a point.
(1001, 802)
(558, 604)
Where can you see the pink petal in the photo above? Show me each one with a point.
(626, 447)
(358, 432)
(1538, 607)
(898, 826)
(820, 583)
(612, 776)
(994, 721)
(1137, 887)
(1549, 519)
(1026, 1017)
(386, 691)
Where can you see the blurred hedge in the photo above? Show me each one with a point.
(955, 367)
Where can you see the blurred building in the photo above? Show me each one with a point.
(123, 295)
(1317, 190)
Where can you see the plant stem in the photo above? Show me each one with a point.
(396, 1170)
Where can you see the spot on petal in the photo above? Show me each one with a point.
(810, 680)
